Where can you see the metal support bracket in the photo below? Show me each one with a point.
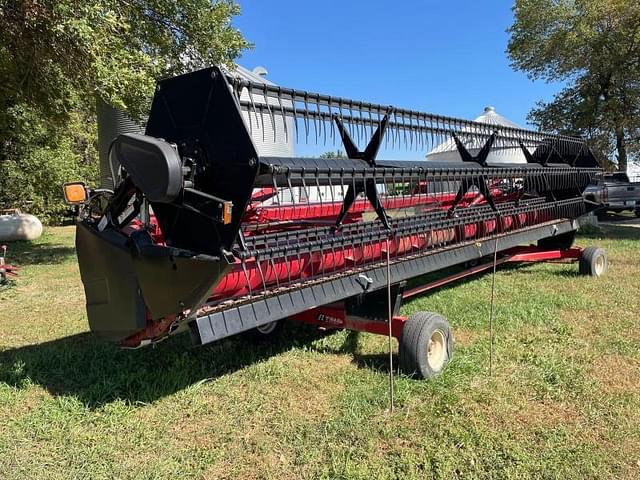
(368, 186)
(216, 208)
(527, 187)
(483, 154)
(480, 183)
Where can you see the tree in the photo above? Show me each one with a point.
(331, 154)
(57, 56)
(593, 46)
(56, 52)
(39, 159)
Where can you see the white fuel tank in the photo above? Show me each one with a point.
(19, 226)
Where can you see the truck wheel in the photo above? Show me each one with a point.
(593, 262)
(426, 345)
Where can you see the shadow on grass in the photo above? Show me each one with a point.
(27, 253)
(97, 373)
(572, 273)
(616, 217)
(375, 361)
(564, 270)
(613, 232)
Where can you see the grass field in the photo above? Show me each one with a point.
(563, 400)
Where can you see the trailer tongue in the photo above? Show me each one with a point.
(203, 233)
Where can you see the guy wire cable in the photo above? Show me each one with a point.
(493, 291)
(389, 320)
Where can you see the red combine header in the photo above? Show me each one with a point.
(204, 234)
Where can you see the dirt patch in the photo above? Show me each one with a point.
(526, 414)
(531, 414)
(617, 373)
(464, 338)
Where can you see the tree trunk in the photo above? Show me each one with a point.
(621, 147)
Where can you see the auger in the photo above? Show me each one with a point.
(202, 233)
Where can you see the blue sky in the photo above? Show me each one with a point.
(445, 57)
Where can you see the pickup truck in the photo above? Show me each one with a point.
(616, 192)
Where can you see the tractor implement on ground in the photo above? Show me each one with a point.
(7, 271)
(202, 233)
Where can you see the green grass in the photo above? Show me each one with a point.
(563, 400)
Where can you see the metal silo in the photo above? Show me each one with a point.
(448, 152)
(111, 123)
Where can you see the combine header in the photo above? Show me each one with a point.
(204, 234)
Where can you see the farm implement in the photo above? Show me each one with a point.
(6, 269)
(202, 233)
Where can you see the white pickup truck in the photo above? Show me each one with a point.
(616, 192)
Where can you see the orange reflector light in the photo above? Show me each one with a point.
(75, 193)
(226, 214)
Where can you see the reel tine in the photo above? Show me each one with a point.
(354, 125)
(306, 117)
(316, 118)
(249, 108)
(358, 125)
(424, 135)
(253, 105)
(333, 126)
(271, 114)
(368, 121)
(324, 126)
(396, 134)
(262, 122)
(295, 116)
(431, 132)
(418, 132)
(410, 130)
(340, 114)
(414, 132)
(363, 121)
(284, 118)
(404, 130)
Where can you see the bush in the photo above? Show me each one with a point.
(38, 162)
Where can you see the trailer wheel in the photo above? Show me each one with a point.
(471, 263)
(564, 241)
(593, 262)
(263, 332)
(426, 345)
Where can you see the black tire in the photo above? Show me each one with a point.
(593, 262)
(471, 263)
(637, 212)
(264, 332)
(564, 241)
(420, 331)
